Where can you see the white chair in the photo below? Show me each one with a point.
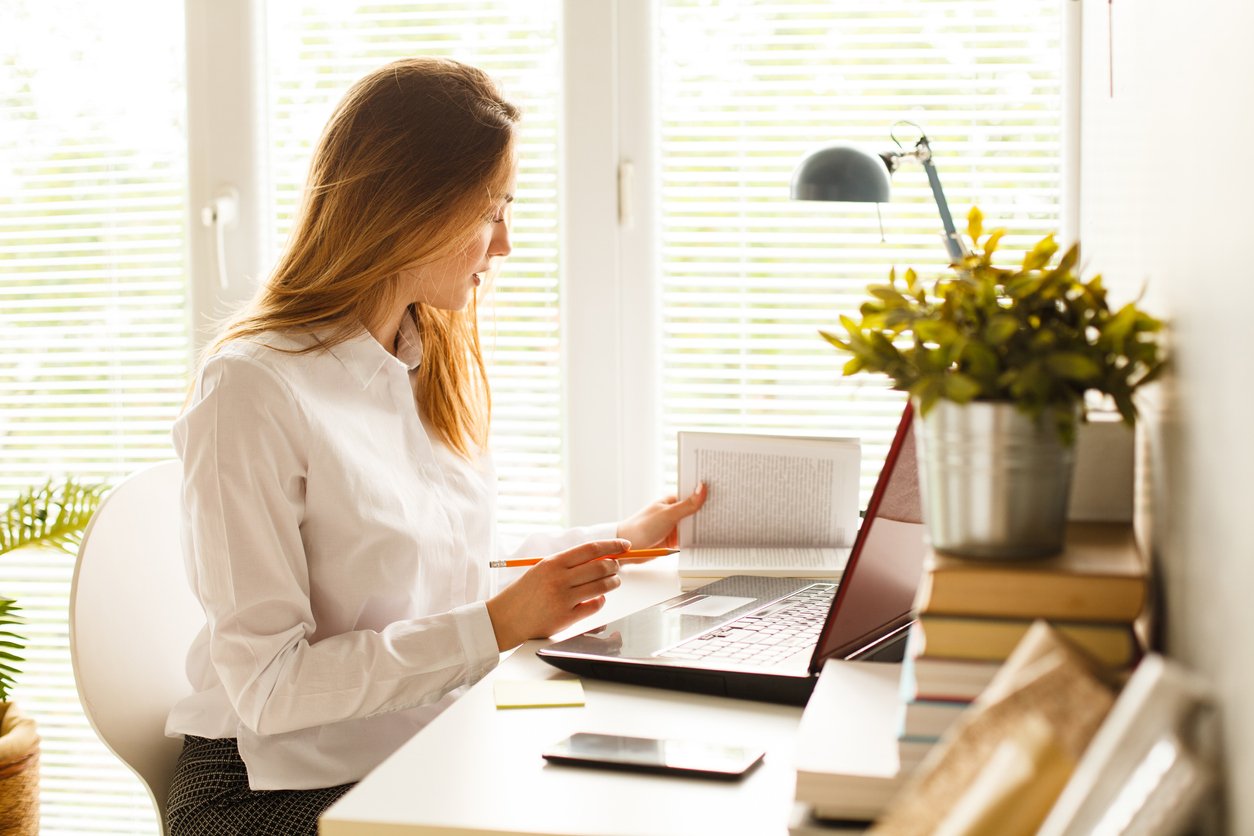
(132, 618)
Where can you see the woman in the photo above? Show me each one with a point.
(339, 500)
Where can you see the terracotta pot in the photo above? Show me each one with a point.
(19, 773)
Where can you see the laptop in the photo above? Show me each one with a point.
(767, 638)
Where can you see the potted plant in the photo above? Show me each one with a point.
(51, 516)
(998, 362)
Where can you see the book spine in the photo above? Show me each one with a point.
(1032, 595)
(951, 680)
(993, 639)
(942, 680)
(928, 718)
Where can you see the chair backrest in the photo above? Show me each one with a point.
(132, 617)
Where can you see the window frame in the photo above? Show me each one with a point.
(608, 260)
(608, 219)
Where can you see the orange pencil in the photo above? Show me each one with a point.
(532, 561)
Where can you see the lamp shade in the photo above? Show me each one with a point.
(841, 172)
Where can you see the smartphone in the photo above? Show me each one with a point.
(647, 754)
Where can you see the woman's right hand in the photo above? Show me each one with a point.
(555, 593)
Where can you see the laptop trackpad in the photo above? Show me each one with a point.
(712, 605)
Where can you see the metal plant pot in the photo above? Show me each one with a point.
(994, 482)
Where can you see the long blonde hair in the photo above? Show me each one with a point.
(413, 160)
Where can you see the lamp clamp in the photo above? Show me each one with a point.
(922, 152)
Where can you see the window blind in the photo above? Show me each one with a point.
(748, 276)
(94, 338)
(316, 50)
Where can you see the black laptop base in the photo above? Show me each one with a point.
(778, 688)
(783, 690)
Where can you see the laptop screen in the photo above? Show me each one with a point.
(876, 591)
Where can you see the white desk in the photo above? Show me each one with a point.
(478, 770)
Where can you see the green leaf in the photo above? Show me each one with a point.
(1073, 366)
(1042, 342)
(1120, 327)
(1040, 254)
(1096, 290)
(928, 361)
(912, 281)
(1000, 328)
(960, 388)
(898, 319)
(975, 224)
(935, 331)
(834, 340)
(1068, 260)
(980, 360)
(927, 393)
(51, 515)
(994, 239)
(885, 293)
(1023, 286)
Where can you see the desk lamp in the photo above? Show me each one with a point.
(844, 172)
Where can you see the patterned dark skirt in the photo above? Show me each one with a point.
(210, 795)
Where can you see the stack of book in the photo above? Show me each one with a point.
(970, 614)
(846, 755)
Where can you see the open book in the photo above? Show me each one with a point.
(783, 506)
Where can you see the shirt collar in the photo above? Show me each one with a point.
(363, 356)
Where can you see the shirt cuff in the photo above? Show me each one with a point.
(474, 628)
(603, 531)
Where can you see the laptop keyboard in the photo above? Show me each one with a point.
(767, 636)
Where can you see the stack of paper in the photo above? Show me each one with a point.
(847, 743)
(559, 692)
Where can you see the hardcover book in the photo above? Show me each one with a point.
(946, 680)
(924, 718)
(977, 638)
(1099, 576)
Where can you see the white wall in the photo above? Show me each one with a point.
(1167, 198)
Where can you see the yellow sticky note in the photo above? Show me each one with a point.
(538, 693)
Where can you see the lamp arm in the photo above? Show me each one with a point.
(953, 243)
(922, 152)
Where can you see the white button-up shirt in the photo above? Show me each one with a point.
(340, 551)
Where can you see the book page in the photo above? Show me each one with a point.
(714, 561)
(770, 490)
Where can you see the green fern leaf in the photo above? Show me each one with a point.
(50, 515)
(9, 661)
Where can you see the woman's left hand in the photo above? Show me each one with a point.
(654, 526)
